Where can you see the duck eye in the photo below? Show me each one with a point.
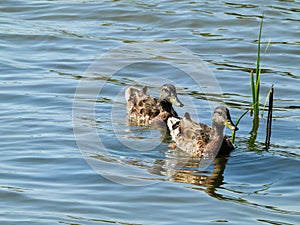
(167, 92)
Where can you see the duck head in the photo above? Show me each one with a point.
(221, 117)
(168, 93)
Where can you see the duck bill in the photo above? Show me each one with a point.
(175, 101)
(228, 123)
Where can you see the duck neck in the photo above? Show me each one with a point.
(167, 106)
(215, 141)
(217, 131)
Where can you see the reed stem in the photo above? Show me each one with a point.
(255, 88)
(269, 120)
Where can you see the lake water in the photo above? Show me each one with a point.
(68, 156)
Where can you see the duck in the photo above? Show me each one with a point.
(143, 109)
(201, 140)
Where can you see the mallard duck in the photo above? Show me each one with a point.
(200, 139)
(144, 109)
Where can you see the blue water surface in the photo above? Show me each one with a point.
(69, 155)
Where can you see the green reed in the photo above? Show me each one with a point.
(255, 80)
(255, 91)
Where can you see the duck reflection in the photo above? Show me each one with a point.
(178, 167)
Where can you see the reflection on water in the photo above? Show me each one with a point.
(192, 171)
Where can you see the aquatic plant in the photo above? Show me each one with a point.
(269, 120)
(255, 91)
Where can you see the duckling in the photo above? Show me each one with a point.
(144, 109)
(200, 139)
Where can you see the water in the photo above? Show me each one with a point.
(52, 175)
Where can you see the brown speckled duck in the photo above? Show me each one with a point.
(144, 109)
(200, 139)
